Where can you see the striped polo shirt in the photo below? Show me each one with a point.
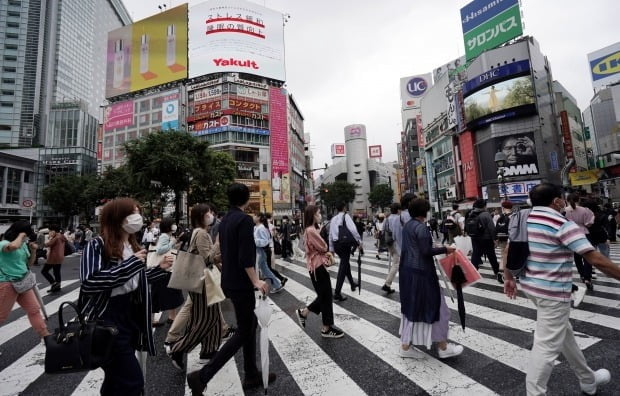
(552, 240)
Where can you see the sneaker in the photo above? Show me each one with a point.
(410, 353)
(601, 377)
(339, 297)
(177, 360)
(450, 351)
(257, 381)
(204, 358)
(195, 384)
(230, 331)
(278, 290)
(500, 278)
(300, 318)
(578, 296)
(283, 281)
(589, 285)
(332, 332)
(387, 289)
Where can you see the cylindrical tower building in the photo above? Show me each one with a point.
(357, 165)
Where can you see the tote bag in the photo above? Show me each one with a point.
(188, 271)
(213, 286)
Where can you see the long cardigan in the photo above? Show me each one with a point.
(100, 276)
(420, 295)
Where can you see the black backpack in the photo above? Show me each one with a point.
(473, 226)
(501, 227)
(598, 230)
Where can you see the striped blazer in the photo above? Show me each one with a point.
(100, 276)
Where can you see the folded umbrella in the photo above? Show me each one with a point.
(359, 271)
(458, 279)
(263, 313)
(40, 300)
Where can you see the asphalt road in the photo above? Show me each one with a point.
(497, 340)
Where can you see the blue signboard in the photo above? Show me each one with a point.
(495, 75)
(555, 164)
(479, 11)
(231, 128)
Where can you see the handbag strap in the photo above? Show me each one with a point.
(61, 322)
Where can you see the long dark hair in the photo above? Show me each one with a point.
(309, 214)
(572, 199)
(112, 216)
(17, 228)
(198, 215)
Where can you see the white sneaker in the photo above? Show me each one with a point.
(601, 377)
(450, 351)
(410, 353)
(578, 296)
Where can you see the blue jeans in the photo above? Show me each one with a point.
(264, 269)
(603, 248)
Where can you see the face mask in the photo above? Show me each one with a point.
(210, 218)
(173, 228)
(134, 223)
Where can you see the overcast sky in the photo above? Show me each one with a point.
(345, 58)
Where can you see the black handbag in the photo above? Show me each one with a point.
(78, 345)
(344, 234)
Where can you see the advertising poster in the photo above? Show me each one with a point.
(266, 197)
(150, 52)
(280, 177)
(605, 65)
(338, 150)
(375, 151)
(521, 157)
(236, 36)
(170, 115)
(502, 100)
(487, 25)
(118, 115)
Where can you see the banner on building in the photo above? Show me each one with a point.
(487, 25)
(280, 167)
(585, 177)
(605, 65)
(338, 150)
(118, 115)
(413, 88)
(521, 156)
(236, 36)
(147, 53)
(375, 151)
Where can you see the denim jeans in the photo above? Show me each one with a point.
(261, 256)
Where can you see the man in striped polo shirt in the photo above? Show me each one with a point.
(548, 283)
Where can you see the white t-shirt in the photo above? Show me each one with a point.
(132, 283)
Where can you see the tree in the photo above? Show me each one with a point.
(211, 183)
(333, 193)
(381, 196)
(520, 93)
(68, 195)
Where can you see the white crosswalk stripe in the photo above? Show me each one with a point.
(307, 364)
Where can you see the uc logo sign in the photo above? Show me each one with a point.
(417, 86)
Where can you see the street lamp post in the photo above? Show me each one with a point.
(500, 160)
(264, 194)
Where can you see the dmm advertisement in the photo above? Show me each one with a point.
(150, 52)
(506, 99)
(521, 158)
(280, 175)
(605, 65)
(236, 36)
(489, 25)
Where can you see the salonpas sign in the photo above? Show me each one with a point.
(489, 24)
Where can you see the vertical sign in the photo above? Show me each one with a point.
(419, 131)
(280, 175)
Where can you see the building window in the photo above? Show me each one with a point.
(2, 168)
(8, 69)
(8, 93)
(10, 58)
(27, 177)
(10, 47)
(8, 81)
(6, 104)
(12, 24)
(13, 14)
(13, 186)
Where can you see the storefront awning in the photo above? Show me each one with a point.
(585, 177)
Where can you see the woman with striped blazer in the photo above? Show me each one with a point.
(115, 290)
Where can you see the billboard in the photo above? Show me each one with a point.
(605, 65)
(338, 150)
(236, 36)
(487, 25)
(521, 157)
(375, 151)
(413, 88)
(280, 174)
(118, 115)
(507, 99)
(150, 52)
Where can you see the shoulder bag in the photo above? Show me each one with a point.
(213, 285)
(188, 270)
(344, 234)
(27, 282)
(78, 345)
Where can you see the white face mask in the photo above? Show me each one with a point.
(134, 223)
(173, 228)
(209, 217)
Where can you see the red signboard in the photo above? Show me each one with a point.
(214, 123)
(243, 104)
(418, 121)
(280, 175)
(206, 107)
(469, 164)
(565, 128)
(374, 151)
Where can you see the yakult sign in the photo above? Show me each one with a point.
(413, 88)
(235, 36)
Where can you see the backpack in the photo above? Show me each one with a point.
(501, 227)
(518, 247)
(473, 225)
(598, 230)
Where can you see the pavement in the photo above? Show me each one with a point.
(497, 341)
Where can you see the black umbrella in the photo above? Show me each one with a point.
(359, 270)
(457, 279)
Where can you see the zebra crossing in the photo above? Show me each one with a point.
(497, 340)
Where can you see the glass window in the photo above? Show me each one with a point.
(2, 168)
(145, 105)
(13, 186)
(27, 177)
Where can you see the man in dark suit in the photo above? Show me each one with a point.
(239, 279)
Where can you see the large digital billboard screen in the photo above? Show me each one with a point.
(505, 99)
(521, 157)
(280, 174)
(236, 36)
(605, 65)
(150, 52)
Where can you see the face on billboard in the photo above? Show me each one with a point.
(520, 151)
(236, 36)
(150, 52)
(499, 97)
